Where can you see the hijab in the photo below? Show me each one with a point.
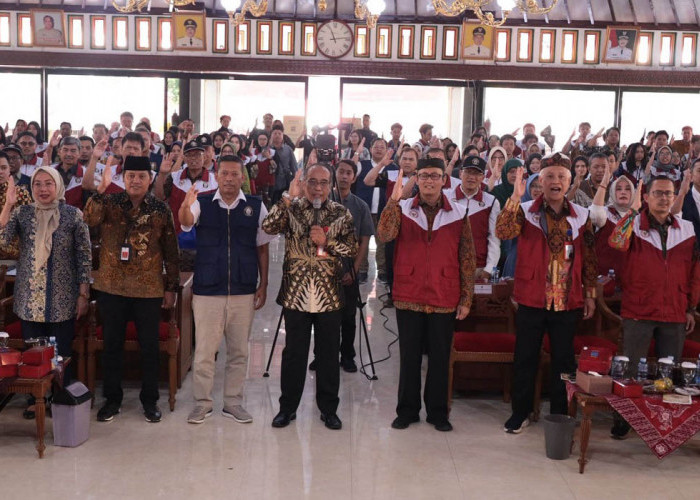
(621, 209)
(530, 180)
(505, 189)
(47, 217)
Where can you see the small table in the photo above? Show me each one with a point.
(37, 387)
(589, 404)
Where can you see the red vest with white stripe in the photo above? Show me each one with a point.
(181, 184)
(608, 257)
(74, 189)
(533, 256)
(427, 271)
(117, 184)
(653, 287)
(478, 209)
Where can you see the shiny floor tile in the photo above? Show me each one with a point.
(132, 459)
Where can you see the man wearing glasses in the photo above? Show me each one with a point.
(482, 210)
(433, 284)
(661, 280)
(14, 158)
(319, 233)
(30, 161)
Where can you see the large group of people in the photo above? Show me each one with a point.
(443, 217)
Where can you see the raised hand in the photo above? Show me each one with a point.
(519, 185)
(191, 196)
(7, 127)
(166, 165)
(398, 187)
(106, 177)
(514, 133)
(362, 145)
(99, 149)
(295, 186)
(11, 196)
(455, 156)
(637, 199)
(113, 127)
(407, 190)
(606, 177)
(572, 135)
(388, 157)
(82, 132)
(313, 157)
(55, 139)
(600, 132)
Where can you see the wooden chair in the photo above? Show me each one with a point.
(168, 342)
(487, 335)
(10, 323)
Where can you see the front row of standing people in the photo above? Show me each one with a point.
(435, 263)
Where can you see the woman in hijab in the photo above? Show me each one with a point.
(604, 219)
(53, 271)
(494, 166)
(505, 189)
(532, 164)
(533, 189)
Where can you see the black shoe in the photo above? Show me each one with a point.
(348, 365)
(312, 366)
(29, 413)
(108, 411)
(515, 424)
(442, 425)
(620, 429)
(332, 421)
(282, 419)
(152, 413)
(403, 422)
(362, 278)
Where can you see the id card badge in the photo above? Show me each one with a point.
(568, 250)
(125, 253)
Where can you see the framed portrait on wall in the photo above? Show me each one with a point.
(190, 30)
(48, 27)
(477, 41)
(620, 44)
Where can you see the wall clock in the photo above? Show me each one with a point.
(334, 39)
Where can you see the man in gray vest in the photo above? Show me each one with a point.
(232, 252)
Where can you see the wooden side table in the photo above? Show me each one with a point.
(589, 404)
(37, 387)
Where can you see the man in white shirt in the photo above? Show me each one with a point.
(477, 49)
(190, 40)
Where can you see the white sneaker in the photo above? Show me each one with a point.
(238, 413)
(198, 415)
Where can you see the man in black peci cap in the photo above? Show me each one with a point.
(433, 285)
(138, 241)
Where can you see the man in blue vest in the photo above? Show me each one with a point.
(232, 252)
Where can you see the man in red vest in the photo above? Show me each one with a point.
(661, 278)
(555, 277)
(433, 283)
(482, 209)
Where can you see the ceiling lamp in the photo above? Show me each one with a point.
(369, 11)
(487, 18)
(257, 9)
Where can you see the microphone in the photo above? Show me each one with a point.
(320, 251)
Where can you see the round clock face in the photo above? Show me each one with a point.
(334, 39)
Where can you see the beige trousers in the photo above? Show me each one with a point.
(230, 317)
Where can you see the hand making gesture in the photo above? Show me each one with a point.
(398, 187)
(191, 196)
(519, 185)
(99, 149)
(295, 186)
(11, 196)
(106, 176)
(637, 199)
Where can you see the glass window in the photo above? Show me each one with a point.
(115, 94)
(26, 108)
(563, 111)
(247, 101)
(441, 106)
(672, 111)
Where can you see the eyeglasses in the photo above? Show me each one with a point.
(432, 177)
(47, 185)
(313, 183)
(662, 194)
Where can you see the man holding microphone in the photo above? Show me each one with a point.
(319, 233)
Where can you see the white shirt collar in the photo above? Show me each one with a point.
(696, 195)
(222, 203)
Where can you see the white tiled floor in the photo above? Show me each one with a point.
(130, 458)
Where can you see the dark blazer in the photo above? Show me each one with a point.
(690, 213)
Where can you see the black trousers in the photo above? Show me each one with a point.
(415, 329)
(295, 355)
(64, 331)
(531, 324)
(116, 311)
(389, 256)
(348, 325)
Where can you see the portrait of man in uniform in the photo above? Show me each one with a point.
(620, 44)
(47, 28)
(478, 42)
(190, 31)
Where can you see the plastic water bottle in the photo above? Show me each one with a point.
(642, 370)
(54, 360)
(494, 275)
